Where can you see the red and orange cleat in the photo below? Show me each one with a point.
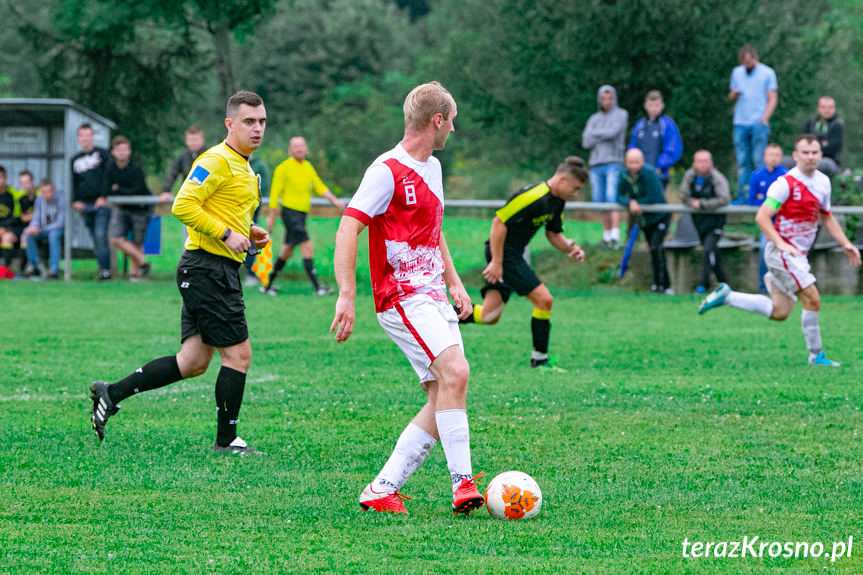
(466, 497)
(383, 501)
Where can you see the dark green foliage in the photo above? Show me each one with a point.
(531, 76)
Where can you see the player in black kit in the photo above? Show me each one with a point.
(513, 226)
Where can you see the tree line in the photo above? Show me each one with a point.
(524, 72)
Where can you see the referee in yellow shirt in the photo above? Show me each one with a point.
(293, 183)
(216, 203)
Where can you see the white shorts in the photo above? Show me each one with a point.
(790, 274)
(422, 327)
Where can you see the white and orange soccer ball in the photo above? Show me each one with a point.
(513, 495)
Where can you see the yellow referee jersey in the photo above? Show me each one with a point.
(293, 184)
(220, 192)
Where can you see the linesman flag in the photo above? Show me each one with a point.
(264, 263)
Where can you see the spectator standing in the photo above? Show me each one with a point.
(605, 137)
(754, 89)
(703, 189)
(195, 144)
(89, 195)
(294, 180)
(830, 133)
(657, 137)
(640, 184)
(758, 186)
(126, 178)
(46, 226)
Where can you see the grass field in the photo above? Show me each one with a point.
(667, 426)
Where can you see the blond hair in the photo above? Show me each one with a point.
(424, 102)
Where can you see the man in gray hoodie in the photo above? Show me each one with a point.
(605, 137)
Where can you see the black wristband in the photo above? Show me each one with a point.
(227, 234)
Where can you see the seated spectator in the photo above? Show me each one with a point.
(829, 130)
(639, 184)
(124, 177)
(703, 189)
(657, 137)
(758, 184)
(10, 225)
(46, 226)
(27, 187)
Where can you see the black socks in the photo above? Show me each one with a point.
(229, 396)
(158, 373)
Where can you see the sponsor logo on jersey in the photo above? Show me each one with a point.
(199, 174)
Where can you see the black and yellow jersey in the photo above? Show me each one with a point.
(526, 211)
(26, 204)
(220, 192)
(10, 207)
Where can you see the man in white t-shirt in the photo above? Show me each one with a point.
(401, 201)
(796, 199)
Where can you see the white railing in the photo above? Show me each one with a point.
(494, 204)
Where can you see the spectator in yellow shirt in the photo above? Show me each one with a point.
(293, 183)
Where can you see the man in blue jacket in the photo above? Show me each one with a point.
(657, 137)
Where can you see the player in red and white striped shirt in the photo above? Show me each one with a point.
(401, 201)
(796, 199)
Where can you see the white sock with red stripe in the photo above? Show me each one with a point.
(411, 450)
(455, 438)
(756, 303)
(811, 332)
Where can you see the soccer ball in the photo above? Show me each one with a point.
(513, 495)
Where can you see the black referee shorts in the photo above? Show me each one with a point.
(295, 226)
(212, 299)
(518, 277)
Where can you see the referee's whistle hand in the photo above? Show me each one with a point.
(238, 243)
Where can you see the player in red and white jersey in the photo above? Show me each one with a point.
(797, 200)
(401, 201)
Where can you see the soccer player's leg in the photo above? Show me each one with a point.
(427, 332)
(811, 300)
(491, 309)
(307, 250)
(451, 372)
(540, 327)
(411, 450)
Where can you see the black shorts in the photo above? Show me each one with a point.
(295, 226)
(125, 220)
(212, 299)
(518, 277)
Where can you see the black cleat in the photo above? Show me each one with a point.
(103, 407)
(236, 447)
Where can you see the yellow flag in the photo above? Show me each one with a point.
(264, 263)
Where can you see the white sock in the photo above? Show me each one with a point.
(411, 450)
(756, 303)
(811, 332)
(606, 235)
(455, 440)
(615, 234)
(537, 355)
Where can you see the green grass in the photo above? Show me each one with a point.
(668, 425)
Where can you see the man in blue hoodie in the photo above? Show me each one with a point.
(657, 137)
(605, 137)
